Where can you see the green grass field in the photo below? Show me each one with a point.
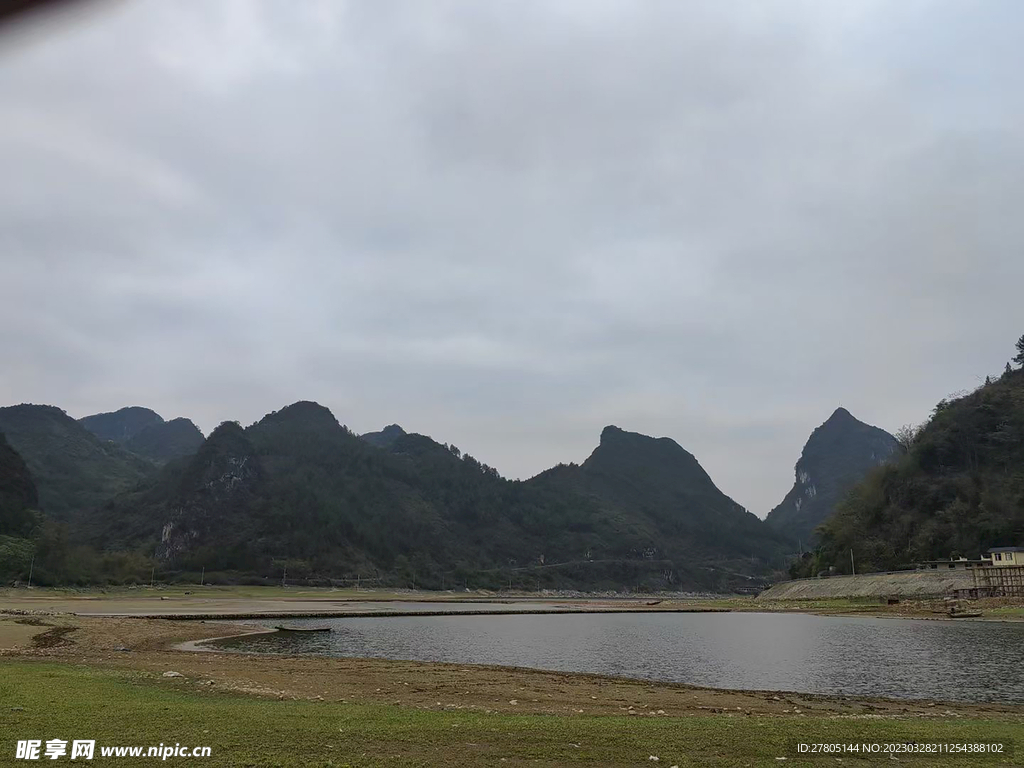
(46, 701)
(1006, 611)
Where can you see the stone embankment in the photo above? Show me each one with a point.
(930, 583)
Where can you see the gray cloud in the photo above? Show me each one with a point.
(508, 224)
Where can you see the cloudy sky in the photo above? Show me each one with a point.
(507, 224)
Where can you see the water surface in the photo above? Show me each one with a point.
(901, 658)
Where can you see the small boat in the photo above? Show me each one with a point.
(964, 614)
(654, 602)
(303, 629)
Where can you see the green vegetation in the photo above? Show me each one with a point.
(658, 495)
(1006, 611)
(166, 441)
(145, 433)
(298, 492)
(18, 495)
(957, 491)
(19, 522)
(32, 544)
(121, 425)
(74, 471)
(48, 701)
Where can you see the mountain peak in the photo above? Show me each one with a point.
(38, 409)
(611, 432)
(225, 432)
(121, 425)
(836, 456)
(642, 456)
(661, 487)
(214, 491)
(616, 438)
(227, 445)
(304, 412)
(72, 468)
(839, 426)
(166, 440)
(386, 437)
(841, 418)
(613, 435)
(307, 408)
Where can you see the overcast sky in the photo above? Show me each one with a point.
(506, 224)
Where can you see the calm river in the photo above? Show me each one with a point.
(902, 658)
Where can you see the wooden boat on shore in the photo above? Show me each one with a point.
(964, 614)
(302, 629)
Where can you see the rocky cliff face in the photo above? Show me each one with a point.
(214, 493)
(837, 456)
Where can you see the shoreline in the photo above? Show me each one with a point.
(145, 649)
(203, 646)
(200, 646)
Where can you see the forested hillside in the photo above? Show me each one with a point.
(121, 425)
(958, 490)
(73, 470)
(167, 440)
(299, 491)
(657, 500)
(145, 433)
(19, 521)
(18, 496)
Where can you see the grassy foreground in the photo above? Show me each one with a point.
(46, 701)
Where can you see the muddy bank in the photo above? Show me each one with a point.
(19, 632)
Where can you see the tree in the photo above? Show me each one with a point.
(1019, 359)
(906, 435)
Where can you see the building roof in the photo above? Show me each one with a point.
(1007, 549)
